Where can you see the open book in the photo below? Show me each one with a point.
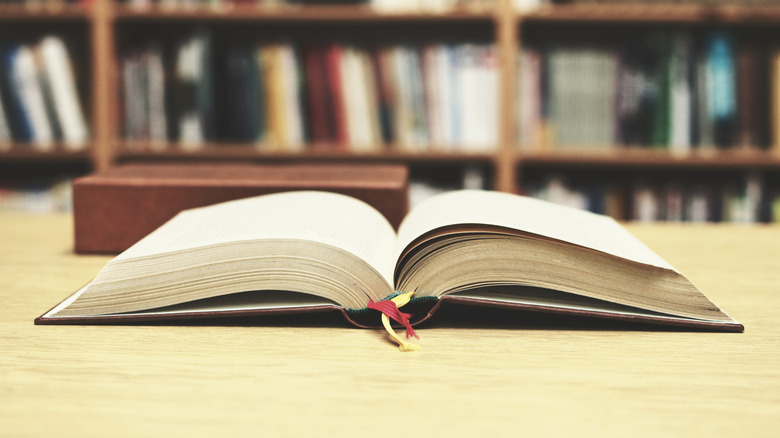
(317, 251)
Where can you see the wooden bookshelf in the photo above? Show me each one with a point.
(295, 13)
(48, 12)
(105, 21)
(621, 13)
(58, 155)
(642, 157)
(144, 151)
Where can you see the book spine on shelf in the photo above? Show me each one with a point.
(25, 79)
(36, 195)
(336, 89)
(58, 70)
(156, 117)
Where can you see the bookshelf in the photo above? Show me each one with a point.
(100, 32)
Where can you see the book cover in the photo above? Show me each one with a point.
(59, 73)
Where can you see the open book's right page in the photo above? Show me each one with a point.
(599, 260)
(579, 227)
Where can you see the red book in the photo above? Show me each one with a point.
(333, 65)
(317, 95)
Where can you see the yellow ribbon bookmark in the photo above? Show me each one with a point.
(402, 318)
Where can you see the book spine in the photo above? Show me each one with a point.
(333, 55)
(25, 77)
(59, 74)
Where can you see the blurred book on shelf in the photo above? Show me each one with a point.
(741, 199)
(288, 96)
(36, 195)
(426, 182)
(39, 98)
(672, 90)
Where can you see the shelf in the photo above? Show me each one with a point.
(136, 151)
(619, 13)
(19, 154)
(292, 13)
(639, 157)
(47, 12)
(655, 13)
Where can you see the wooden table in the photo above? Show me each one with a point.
(487, 376)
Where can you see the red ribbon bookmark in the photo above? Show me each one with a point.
(389, 308)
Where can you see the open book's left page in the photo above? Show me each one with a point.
(328, 218)
(326, 244)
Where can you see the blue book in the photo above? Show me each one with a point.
(13, 103)
(721, 69)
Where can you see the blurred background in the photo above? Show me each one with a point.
(646, 111)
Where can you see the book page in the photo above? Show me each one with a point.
(567, 224)
(329, 218)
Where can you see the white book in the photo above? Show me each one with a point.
(490, 105)
(130, 97)
(455, 107)
(529, 98)
(404, 119)
(752, 200)
(188, 70)
(556, 190)
(526, 5)
(699, 205)
(372, 99)
(358, 87)
(58, 71)
(443, 85)
(395, 6)
(680, 130)
(471, 97)
(348, 90)
(157, 122)
(292, 106)
(432, 90)
(420, 119)
(646, 206)
(365, 139)
(26, 76)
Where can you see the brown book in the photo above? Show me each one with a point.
(311, 251)
(747, 88)
(317, 96)
(116, 208)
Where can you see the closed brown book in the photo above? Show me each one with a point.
(116, 208)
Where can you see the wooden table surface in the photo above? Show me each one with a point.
(492, 374)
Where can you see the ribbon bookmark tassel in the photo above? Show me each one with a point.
(389, 309)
